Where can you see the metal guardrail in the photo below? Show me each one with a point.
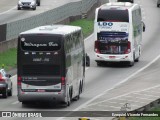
(63, 14)
(48, 17)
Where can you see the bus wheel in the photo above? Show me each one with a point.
(137, 60)
(10, 92)
(69, 102)
(79, 92)
(70, 97)
(131, 63)
(25, 102)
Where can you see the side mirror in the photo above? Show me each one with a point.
(8, 75)
(144, 26)
(87, 60)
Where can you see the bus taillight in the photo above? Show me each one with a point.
(96, 46)
(2, 80)
(63, 80)
(128, 50)
(19, 81)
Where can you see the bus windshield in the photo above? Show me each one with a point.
(113, 15)
(113, 42)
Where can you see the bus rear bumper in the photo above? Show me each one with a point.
(41, 96)
(112, 58)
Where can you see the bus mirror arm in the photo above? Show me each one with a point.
(8, 75)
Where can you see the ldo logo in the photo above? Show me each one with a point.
(105, 24)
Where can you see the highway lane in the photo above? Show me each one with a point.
(100, 79)
(7, 5)
(9, 12)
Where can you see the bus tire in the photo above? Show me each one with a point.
(68, 103)
(78, 96)
(137, 60)
(87, 60)
(131, 63)
(26, 102)
(69, 97)
(10, 92)
(79, 92)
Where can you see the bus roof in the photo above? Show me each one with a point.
(117, 5)
(53, 29)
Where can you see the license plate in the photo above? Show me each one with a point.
(112, 57)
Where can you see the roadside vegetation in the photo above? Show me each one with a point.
(8, 59)
(157, 109)
(87, 26)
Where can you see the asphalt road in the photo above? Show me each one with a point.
(114, 84)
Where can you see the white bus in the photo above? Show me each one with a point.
(50, 64)
(118, 30)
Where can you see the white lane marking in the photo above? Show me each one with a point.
(140, 98)
(89, 37)
(153, 91)
(118, 84)
(147, 95)
(16, 102)
(122, 103)
(96, 109)
(115, 107)
(131, 101)
(8, 10)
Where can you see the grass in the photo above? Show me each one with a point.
(155, 110)
(144, 118)
(87, 26)
(9, 58)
